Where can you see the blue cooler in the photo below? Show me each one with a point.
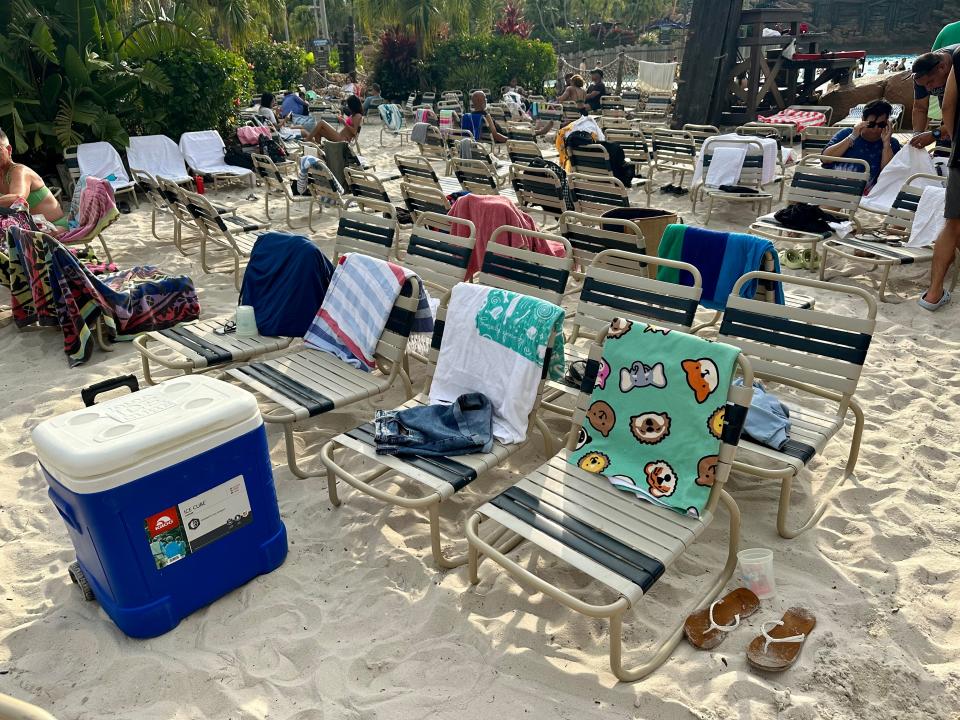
(168, 497)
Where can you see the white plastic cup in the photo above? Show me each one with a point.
(756, 566)
(246, 321)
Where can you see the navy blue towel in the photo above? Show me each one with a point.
(285, 282)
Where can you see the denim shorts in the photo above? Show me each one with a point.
(461, 428)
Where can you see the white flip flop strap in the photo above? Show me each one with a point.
(721, 628)
(768, 639)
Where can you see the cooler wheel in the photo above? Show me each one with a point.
(77, 576)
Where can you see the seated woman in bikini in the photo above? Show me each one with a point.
(352, 121)
(20, 182)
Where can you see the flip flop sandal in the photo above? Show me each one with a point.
(927, 305)
(574, 374)
(779, 648)
(666, 188)
(707, 628)
(230, 326)
(810, 261)
(791, 259)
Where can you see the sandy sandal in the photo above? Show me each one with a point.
(707, 628)
(811, 261)
(778, 649)
(791, 259)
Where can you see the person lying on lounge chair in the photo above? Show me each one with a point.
(20, 182)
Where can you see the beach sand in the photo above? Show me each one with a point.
(358, 624)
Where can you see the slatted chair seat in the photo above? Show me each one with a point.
(436, 478)
(596, 194)
(835, 190)
(230, 234)
(433, 146)
(367, 232)
(819, 356)
(896, 225)
(197, 346)
(308, 383)
(421, 198)
(415, 169)
(275, 182)
(523, 152)
(625, 544)
(438, 256)
(365, 185)
(550, 112)
(476, 176)
(590, 235)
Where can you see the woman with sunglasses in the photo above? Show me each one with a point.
(871, 139)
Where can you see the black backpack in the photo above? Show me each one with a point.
(233, 154)
(272, 149)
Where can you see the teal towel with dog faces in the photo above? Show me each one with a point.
(655, 417)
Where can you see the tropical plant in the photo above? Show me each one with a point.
(513, 22)
(71, 70)
(211, 83)
(426, 20)
(395, 67)
(489, 61)
(276, 65)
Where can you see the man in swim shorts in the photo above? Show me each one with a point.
(20, 182)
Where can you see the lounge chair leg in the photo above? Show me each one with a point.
(548, 444)
(823, 261)
(667, 647)
(883, 282)
(105, 248)
(787, 483)
(292, 453)
(439, 558)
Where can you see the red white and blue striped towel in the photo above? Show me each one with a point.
(355, 310)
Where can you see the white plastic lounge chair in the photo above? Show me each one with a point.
(101, 160)
(839, 191)
(815, 356)
(159, 156)
(203, 152)
(434, 478)
(875, 251)
(230, 234)
(619, 541)
(308, 383)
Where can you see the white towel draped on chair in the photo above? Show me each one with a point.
(203, 151)
(159, 156)
(909, 161)
(928, 220)
(100, 160)
(725, 166)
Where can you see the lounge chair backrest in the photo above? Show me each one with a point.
(827, 110)
(595, 194)
(674, 148)
(177, 202)
(701, 132)
(521, 131)
(365, 185)
(611, 103)
(391, 348)
(101, 160)
(429, 97)
(814, 139)
(758, 129)
(550, 112)
(618, 122)
(829, 187)
(269, 174)
(158, 155)
(617, 285)
(751, 174)
(900, 216)
(538, 188)
(438, 256)
(202, 149)
(802, 348)
(420, 198)
(366, 232)
(525, 271)
(208, 219)
(523, 152)
(474, 175)
(151, 188)
(451, 104)
(322, 184)
(311, 149)
(633, 142)
(631, 98)
(455, 135)
(73, 166)
(433, 145)
(571, 112)
(416, 169)
(591, 159)
(590, 235)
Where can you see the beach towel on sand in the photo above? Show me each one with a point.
(720, 257)
(356, 308)
(656, 415)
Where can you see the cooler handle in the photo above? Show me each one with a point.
(89, 394)
(65, 512)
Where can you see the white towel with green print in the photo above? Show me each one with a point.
(655, 418)
(495, 343)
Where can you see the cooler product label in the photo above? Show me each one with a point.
(183, 529)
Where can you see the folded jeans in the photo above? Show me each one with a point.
(461, 428)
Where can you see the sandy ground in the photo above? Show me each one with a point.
(358, 624)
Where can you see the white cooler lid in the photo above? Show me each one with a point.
(105, 439)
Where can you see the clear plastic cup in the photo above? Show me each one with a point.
(246, 321)
(756, 566)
